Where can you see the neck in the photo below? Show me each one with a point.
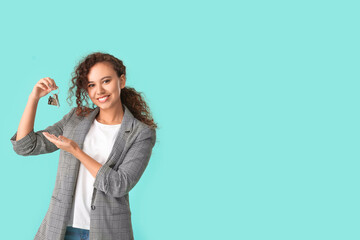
(111, 116)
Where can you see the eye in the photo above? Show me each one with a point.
(107, 81)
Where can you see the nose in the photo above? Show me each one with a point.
(100, 91)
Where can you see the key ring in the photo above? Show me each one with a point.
(54, 100)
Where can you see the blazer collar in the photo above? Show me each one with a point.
(84, 125)
(126, 123)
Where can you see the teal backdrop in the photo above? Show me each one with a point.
(257, 104)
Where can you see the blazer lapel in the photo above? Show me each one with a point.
(80, 132)
(120, 141)
(84, 125)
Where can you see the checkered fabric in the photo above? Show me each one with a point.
(110, 216)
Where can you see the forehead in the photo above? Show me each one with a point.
(100, 70)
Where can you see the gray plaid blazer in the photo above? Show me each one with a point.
(110, 216)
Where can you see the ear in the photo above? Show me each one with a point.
(122, 81)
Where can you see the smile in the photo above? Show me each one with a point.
(103, 99)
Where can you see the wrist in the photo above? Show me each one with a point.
(76, 151)
(34, 98)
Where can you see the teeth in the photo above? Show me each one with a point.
(101, 99)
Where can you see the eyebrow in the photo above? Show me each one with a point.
(101, 78)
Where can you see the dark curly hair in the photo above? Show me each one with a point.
(129, 96)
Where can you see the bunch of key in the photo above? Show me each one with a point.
(54, 99)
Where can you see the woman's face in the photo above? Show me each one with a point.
(103, 81)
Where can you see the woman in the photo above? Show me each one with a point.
(103, 152)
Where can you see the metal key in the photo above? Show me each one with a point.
(54, 100)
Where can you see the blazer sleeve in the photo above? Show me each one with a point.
(35, 143)
(118, 183)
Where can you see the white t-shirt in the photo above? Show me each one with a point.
(98, 144)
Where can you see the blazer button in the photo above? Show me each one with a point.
(92, 207)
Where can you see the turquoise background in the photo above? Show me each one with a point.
(257, 104)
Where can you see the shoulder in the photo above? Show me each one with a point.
(72, 117)
(137, 126)
(140, 127)
(142, 131)
(73, 113)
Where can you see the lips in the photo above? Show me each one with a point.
(103, 97)
(103, 100)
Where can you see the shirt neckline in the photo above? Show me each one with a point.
(107, 125)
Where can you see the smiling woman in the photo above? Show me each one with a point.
(99, 75)
(90, 199)
(104, 89)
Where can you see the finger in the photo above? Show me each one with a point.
(54, 140)
(50, 136)
(50, 83)
(45, 134)
(55, 137)
(53, 84)
(42, 86)
(46, 84)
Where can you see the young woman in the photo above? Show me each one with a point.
(103, 152)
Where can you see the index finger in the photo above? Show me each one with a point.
(46, 134)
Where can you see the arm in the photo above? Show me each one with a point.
(91, 164)
(119, 183)
(35, 143)
(28, 117)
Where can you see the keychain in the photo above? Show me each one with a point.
(54, 100)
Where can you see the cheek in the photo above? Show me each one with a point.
(114, 90)
(90, 93)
